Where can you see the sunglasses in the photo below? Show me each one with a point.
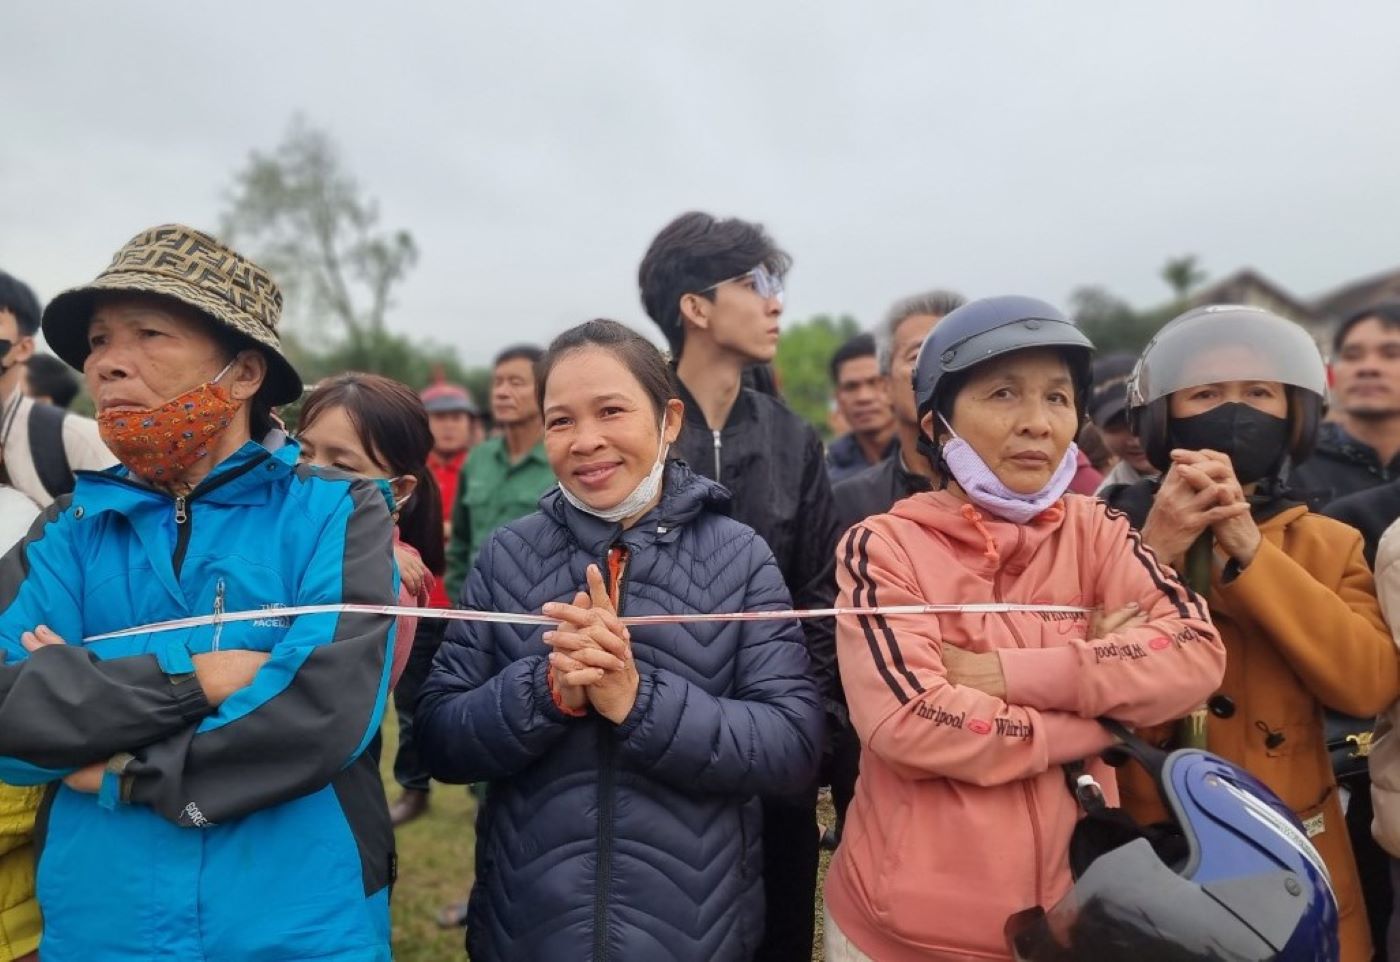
(764, 283)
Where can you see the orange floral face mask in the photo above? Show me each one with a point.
(161, 443)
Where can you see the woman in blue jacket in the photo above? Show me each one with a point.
(209, 794)
(622, 820)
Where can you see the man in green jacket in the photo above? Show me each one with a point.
(505, 475)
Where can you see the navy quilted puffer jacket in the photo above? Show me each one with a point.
(639, 840)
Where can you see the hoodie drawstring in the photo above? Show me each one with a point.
(974, 517)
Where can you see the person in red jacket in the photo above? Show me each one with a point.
(453, 417)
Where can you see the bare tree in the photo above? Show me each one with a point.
(307, 220)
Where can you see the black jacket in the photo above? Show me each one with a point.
(1370, 512)
(845, 459)
(772, 463)
(875, 490)
(1340, 466)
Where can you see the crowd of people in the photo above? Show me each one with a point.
(1106, 661)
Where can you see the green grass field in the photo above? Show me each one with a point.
(435, 866)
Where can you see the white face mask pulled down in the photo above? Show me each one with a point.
(641, 495)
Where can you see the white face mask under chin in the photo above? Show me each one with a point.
(642, 495)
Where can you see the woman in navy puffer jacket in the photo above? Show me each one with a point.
(622, 819)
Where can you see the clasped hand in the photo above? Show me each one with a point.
(1201, 491)
(591, 659)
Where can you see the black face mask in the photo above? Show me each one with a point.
(4, 351)
(1253, 440)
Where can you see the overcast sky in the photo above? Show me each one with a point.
(533, 149)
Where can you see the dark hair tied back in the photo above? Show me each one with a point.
(392, 427)
(634, 352)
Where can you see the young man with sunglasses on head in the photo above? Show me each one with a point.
(715, 288)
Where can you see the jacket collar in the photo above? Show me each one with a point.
(1334, 441)
(452, 464)
(976, 533)
(741, 413)
(845, 451)
(241, 478)
(684, 495)
(906, 482)
(496, 448)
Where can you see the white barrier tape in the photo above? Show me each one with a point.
(511, 618)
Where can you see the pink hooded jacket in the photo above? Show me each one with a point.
(407, 626)
(962, 816)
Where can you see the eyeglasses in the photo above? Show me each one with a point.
(763, 282)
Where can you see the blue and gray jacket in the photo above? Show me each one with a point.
(640, 840)
(252, 832)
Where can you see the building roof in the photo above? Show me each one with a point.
(1341, 302)
(1248, 286)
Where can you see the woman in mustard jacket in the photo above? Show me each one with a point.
(1223, 399)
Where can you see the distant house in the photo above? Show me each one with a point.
(1343, 301)
(1318, 315)
(1248, 286)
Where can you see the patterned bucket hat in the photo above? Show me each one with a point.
(195, 269)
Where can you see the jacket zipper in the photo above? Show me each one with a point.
(218, 613)
(184, 521)
(1027, 788)
(718, 444)
(182, 533)
(605, 789)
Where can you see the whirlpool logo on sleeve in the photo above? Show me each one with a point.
(1005, 727)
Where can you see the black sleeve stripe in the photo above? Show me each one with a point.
(884, 625)
(856, 599)
(1192, 596)
(1153, 572)
(1168, 584)
(864, 622)
(1155, 568)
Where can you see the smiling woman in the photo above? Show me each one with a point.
(636, 756)
(611, 411)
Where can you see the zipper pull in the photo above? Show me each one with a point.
(218, 612)
(718, 444)
(181, 514)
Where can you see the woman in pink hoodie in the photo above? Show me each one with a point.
(962, 815)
